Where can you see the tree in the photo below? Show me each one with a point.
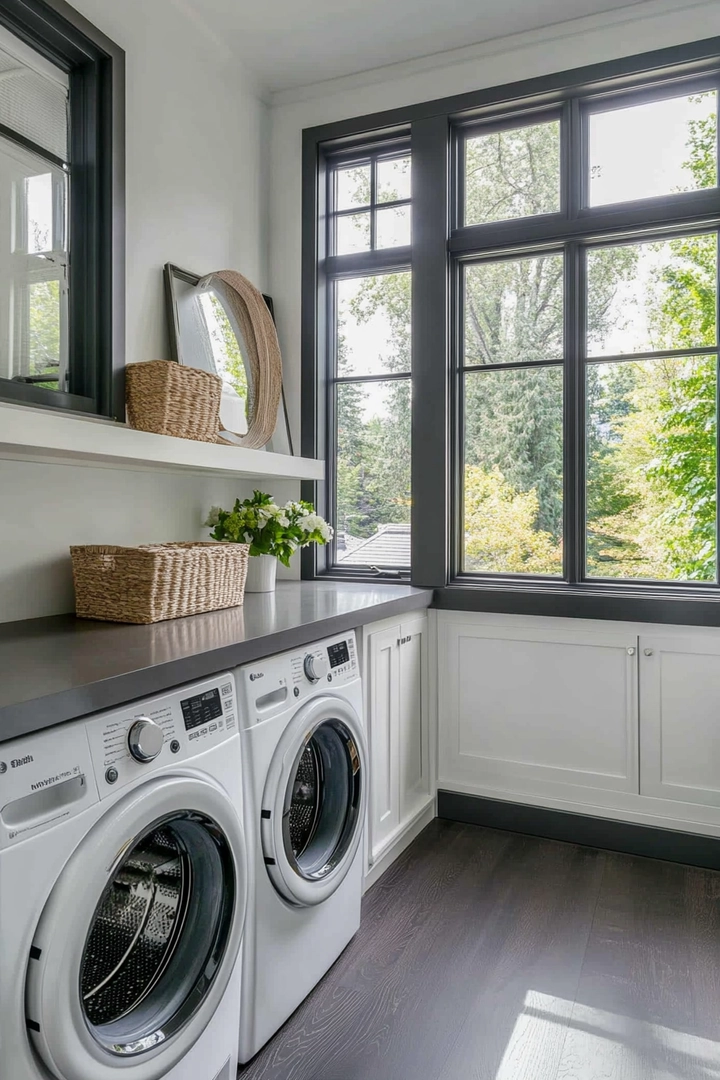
(682, 442)
(514, 311)
(501, 533)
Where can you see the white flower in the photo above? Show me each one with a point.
(248, 538)
(213, 517)
(283, 520)
(310, 522)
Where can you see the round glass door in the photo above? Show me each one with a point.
(321, 811)
(158, 934)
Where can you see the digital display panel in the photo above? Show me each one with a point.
(200, 710)
(338, 654)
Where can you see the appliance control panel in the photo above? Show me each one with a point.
(171, 728)
(270, 686)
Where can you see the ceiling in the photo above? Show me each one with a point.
(290, 44)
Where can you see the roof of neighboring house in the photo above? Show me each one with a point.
(389, 546)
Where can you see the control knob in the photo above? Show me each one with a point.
(145, 739)
(316, 667)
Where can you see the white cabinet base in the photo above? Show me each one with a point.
(397, 843)
(401, 736)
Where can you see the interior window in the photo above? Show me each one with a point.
(34, 179)
(61, 212)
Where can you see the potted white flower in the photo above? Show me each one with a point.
(273, 532)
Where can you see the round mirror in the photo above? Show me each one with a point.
(222, 324)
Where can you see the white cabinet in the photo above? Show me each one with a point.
(398, 723)
(544, 711)
(680, 717)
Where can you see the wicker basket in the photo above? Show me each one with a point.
(157, 581)
(171, 399)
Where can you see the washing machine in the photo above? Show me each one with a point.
(123, 886)
(305, 768)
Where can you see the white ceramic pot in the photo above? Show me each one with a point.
(262, 570)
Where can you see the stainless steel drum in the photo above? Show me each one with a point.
(322, 800)
(158, 930)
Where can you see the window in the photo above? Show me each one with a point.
(61, 302)
(565, 273)
(369, 386)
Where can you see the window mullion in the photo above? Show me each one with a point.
(430, 354)
(573, 441)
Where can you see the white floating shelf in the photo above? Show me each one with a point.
(46, 435)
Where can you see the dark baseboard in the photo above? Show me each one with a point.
(633, 839)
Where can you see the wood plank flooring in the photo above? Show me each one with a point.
(486, 955)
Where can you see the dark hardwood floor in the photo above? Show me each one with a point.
(486, 955)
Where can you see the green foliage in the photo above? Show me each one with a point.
(501, 533)
(269, 529)
(374, 426)
(44, 319)
(650, 435)
(234, 365)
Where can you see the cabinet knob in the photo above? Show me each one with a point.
(648, 652)
(631, 652)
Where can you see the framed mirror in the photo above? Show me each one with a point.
(212, 328)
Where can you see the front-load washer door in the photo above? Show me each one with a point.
(314, 801)
(140, 935)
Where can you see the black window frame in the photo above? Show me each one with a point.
(440, 243)
(95, 66)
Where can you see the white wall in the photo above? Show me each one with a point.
(638, 28)
(196, 196)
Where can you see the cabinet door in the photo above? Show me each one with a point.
(413, 719)
(541, 711)
(680, 718)
(383, 735)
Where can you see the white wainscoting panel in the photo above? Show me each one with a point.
(524, 707)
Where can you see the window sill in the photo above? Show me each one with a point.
(681, 605)
(29, 434)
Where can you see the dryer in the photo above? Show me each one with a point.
(123, 882)
(305, 782)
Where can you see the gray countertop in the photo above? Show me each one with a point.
(60, 668)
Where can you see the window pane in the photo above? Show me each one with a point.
(352, 233)
(652, 469)
(513, 173)
(44, 333)
(39, 203)
(514, 310)
(373, 324)
(513, 471)
(393, 179)
(352, 187)
(373, 474)
(393, 227)
(645, 297)
(658, 148)
(33, 285)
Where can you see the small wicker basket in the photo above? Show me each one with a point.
(157, 581)
(171, 399)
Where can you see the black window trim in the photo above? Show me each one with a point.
(96, 67)
(436, 247)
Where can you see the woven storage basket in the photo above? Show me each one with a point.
(157, 581)
(171, 399)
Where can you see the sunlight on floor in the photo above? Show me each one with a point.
(575, 1041)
